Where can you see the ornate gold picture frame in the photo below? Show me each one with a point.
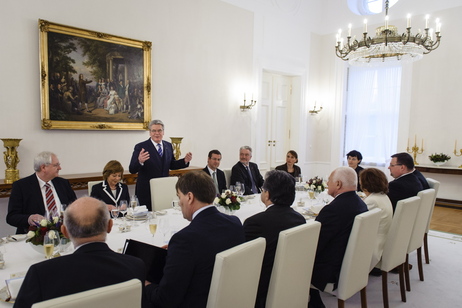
(92, 80)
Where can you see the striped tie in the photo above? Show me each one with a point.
(159, 149)
(50, 199)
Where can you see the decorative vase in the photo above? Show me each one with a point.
(11, 159)
(176, 141)
(38, 248)
(225, 210)
(440, 163)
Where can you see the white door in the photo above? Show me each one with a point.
(273, 125)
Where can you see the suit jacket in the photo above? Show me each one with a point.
(220, 179)
(403, 187)
(336, 220)
(91, 266)
(154, 167)
(297, 170)
(191, 257)
(26, 199)
(268, 224)
(103, 192)
(421, 179)
(240, 174)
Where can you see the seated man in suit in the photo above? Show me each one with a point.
(405, 184)
(218, 176)
(92, 265)
(246, 172)
(421, 179)
(40, 195)
(278, 194)
(192, 250)
(336, 220)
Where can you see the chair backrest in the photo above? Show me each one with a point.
(236, 274)
(427, 198)
(227, 176)
(163, 192)
(436, 186)
(395, 248)
(124, 294)
(354, 273)
(293, 265)
(90, 185)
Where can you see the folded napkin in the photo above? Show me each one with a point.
(141, 210)
(13, 285)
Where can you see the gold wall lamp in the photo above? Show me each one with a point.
(246, 107)
(315, 111)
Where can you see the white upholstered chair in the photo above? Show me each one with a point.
(293, 265)
(354, 273)
(395, 248)
(163, 192)
(236, 274)
(227, 177)
(90, 185)
(436, 186)
(124, 294)
(427, 199)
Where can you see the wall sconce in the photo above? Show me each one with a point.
(249, 106)
(315, 111)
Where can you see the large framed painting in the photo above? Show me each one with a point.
(92, 80)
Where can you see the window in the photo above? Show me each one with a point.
(369, 7)
(372, 112)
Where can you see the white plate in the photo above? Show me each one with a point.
(16, 237)
(4, 295)
(129, 217)
(163, 212)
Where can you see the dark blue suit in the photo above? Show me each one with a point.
(221, 179)
(191, 257)
(103, 192)
(240, 174)
(155, 167)
(26, 199)
(268, 224)
(421, 179)
(403, 187)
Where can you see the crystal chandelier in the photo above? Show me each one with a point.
(388, 45)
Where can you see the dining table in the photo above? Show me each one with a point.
(19, 255)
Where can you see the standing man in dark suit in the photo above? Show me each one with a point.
(247, 172)
(92, 265)
(278, 194)
(153, 158)
(218, 176)
(192, 250)
(28, 200)
(405, 184)
(336, 220)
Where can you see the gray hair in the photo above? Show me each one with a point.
(346, 175)
(43, 158)
(156, 122)
(245, 147)
(84, 226)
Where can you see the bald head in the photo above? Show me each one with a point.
(341, 180)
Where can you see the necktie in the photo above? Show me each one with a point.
(50, 199)
(159, 149)
(214, 176)
(254, 188)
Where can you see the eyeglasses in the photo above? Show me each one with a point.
(395, 165)
(55, 165)
(156, 130)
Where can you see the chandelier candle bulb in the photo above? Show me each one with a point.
(365, 25)
(426, 21)
(349, 30)
(386, 22)
(408, 20)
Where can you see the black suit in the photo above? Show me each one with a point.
(91, 266)
(296, 173)
(240, 174)
(155, 167)
(421, 179)
(103, 192)
(268, 224)
(403, 187)
(221, 179)
(26, 199)
(191, 257)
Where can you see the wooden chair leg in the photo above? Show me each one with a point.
(419, 262)
(341, 303)
(425, 244)
(385, 289)
(401, 282)
(363, 298)
(406, 273)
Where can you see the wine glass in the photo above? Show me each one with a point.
(152, 223)
(176, 206)
(238, 188)
(164, 226)
(133, 205)
(51, 243)
(123, 207)
(115, 212)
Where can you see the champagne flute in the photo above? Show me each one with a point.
(152, 223)
(164, 226)
(123, 207)
(176, 206)
(133, 205)
(115, 212)
(51, 243)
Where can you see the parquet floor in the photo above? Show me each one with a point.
(447, 220)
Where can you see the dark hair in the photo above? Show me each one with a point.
(281, 187)
(199, 183)
(373, 180)
(294, 154)
(214, 152)
(356, 154)
(404, 159)
(112, 167)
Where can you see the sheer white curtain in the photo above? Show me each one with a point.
(372, 112)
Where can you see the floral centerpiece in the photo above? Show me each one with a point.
(440, 158)
(316, 184)
(229, 199)
(39, 229)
